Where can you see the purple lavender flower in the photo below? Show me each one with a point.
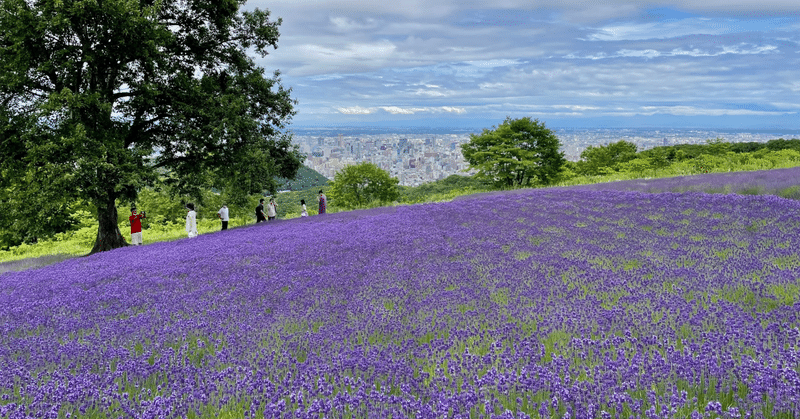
(517, 304)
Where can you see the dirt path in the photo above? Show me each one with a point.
(30, 263)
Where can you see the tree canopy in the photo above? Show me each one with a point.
(603, 159)
(362, 183)
(103, 97)
(518, 152)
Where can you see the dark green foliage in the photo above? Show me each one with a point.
(717, 146)
(102, 99)
(677, 152)
(781, 144)
(600, 160)
(621, 156)
(660, 159)
(442, 187)
(752, 190)
(307, 178)
(518, 152)
(792, 192)
(748, 147)
(359, 184)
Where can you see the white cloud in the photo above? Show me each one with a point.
(430, 93)
(647, 53)
(451, 109)
(585, 11)
(786, 105)
(344, 24)
(328, 77)
(359, 51)
(356, 110)
(749, 51)
(407, 8)
(493, 86)
(697, 111)
(576, 107)
(676, 28)
(353, 57)
(413, 110)
(397, 110)
(409, 57)
(741, 49)
(493, 63)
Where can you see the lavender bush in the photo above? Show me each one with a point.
(528, 304)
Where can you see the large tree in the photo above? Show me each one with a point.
(362, 183)
(604, 159)
(102, 97)
(518, 152)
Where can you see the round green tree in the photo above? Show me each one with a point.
(360, 184)
(605, 159)
(518, 152)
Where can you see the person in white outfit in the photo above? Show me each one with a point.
(304, 213)
(223, 215)
(272, 209)
(191, 220)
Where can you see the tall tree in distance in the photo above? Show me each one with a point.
(518, 152)
(362, 183)
(604, 159)
(103, 97)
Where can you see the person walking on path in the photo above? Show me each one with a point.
(323, 202)
(272, 209)
(135, 220)
(304, 212)
(223, 215)
(191, 220)
(260, 211)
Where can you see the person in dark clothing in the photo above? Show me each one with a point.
(260, 211)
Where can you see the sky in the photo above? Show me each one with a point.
(592, 64)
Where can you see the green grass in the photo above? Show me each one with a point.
(80, 242)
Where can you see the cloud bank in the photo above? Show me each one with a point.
(351, 61)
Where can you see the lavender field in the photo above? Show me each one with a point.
(548, 303)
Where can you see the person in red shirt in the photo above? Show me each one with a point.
(135, 221)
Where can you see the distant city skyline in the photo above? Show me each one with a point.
(416, 156)
(452, 63)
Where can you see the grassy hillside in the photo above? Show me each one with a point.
(780, 182)
(532, 303)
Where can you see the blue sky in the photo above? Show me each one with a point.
(614, 63)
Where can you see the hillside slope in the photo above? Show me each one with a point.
(535, 302)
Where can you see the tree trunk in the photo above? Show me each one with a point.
(108, 234)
